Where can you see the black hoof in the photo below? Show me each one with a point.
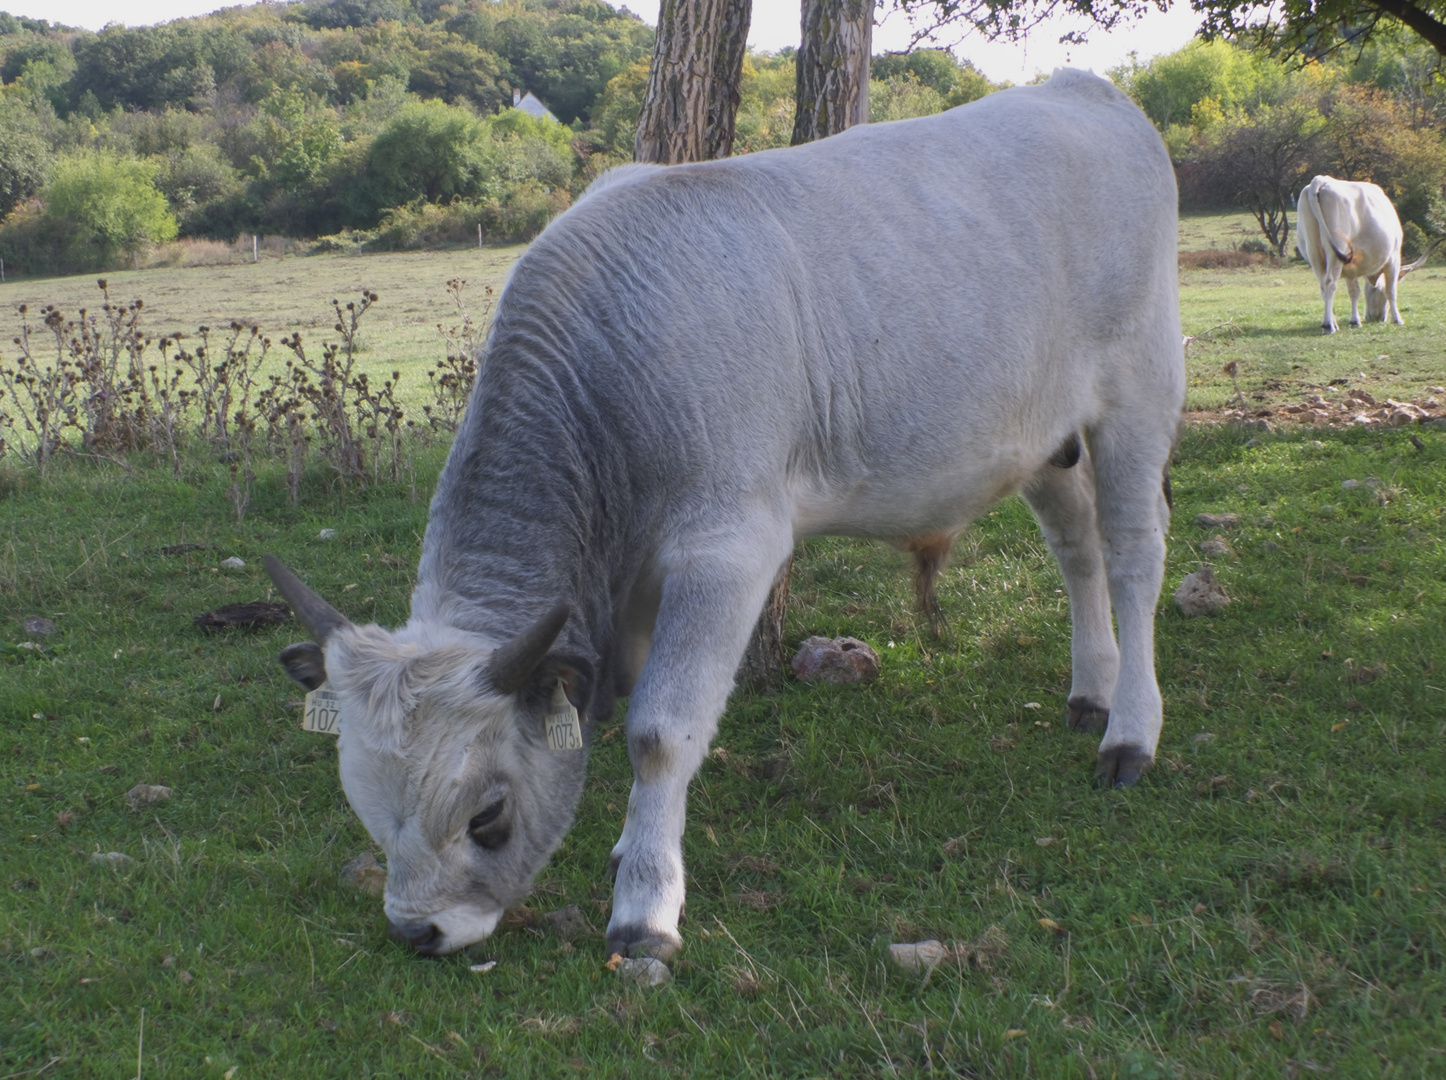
(1085, 715)
(1122, 766)
(634, 940)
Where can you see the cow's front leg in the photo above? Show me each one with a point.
(707, 611)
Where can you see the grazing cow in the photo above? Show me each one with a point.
(1349, 229)
(879, 334)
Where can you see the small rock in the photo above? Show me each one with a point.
(839, 661)
(1202, 738)
(568, 923)
(1201, 594)
(918, 958)
(234, 563)
(644, 971)
(146, 794)
(1216, 547)
(1326, 509)
(365, 874)
(1347, 485)
(1217, 521)
(113, 859)
(484, 968)
(326, 534)
(36, 625)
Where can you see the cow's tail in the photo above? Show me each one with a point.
(1325, 229)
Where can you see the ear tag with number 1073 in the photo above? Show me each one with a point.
(564, 731)
(322, 711)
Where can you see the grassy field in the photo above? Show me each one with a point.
(1270, 901)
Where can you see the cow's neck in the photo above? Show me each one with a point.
(530, 509)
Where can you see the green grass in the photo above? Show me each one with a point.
(1268, 902)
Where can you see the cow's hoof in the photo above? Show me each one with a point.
(637, 940)
(1122, 766)
(1084, 715)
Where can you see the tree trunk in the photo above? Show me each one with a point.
(833, 67)
(691, 102)
(833, 94)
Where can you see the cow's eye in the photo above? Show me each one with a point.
(486, 830)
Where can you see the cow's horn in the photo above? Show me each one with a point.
(320, 617)
(512, 664)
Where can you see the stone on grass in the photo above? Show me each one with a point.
(365, 874)
(1217, 521)
(326, 534)
(1201, 594)
(1216, 547)
(41, 627)
(147, 794)
(233, 563)
(114, 859)
(919, 957)
(568, 923)
(838, 660)
(644, 971)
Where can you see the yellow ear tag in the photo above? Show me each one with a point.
(564, 730)
(322, 711)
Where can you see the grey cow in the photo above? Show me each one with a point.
(880, 334)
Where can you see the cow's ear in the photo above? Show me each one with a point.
(573, 672)
(305, 662)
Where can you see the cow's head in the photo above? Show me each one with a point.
(445, 758)
(1376, 299)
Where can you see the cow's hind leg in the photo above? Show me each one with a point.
(1130, 453)
(1062, 498)
(1353, 286)
(712, 592)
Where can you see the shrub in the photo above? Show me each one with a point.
(108, 208)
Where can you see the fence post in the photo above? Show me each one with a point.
(479, 236)
(255, 253)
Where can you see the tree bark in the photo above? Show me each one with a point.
(691, 103)
(833, 67)
(836, 38)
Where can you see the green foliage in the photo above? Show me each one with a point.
(957, 82)
(1169, 88)
(765, 111)
(429, 150)
(107, 208)
(25, 154)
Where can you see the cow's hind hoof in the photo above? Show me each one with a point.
(1084, 715)
(1122, 766)
(637, 940)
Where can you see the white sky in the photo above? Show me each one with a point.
(775, 25)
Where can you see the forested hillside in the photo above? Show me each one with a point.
(383, 122)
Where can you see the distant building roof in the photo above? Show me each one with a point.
(529, 104)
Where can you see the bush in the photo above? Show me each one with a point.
(108, 208)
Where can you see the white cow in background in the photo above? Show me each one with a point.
(1349, 229)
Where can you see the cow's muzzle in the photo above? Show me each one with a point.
(425, 937)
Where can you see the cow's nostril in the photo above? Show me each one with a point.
(419, 935)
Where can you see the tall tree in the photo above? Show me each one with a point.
(836, 43)
(692, 98)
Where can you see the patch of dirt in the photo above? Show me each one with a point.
(1277, 402)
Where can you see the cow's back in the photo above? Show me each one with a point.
(940, 296)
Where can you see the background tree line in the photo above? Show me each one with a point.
(387, 122)
(384, 121)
